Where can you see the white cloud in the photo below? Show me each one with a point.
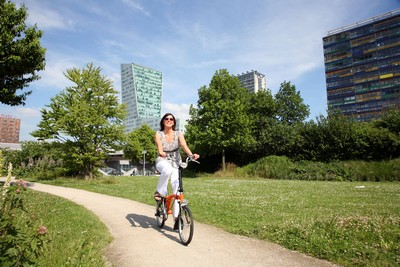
(46, 18)
(57, 63)
(27, 113)
(135, 4)
(30, 118)
(180, 111)
(189, 40)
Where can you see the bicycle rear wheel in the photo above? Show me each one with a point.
(186, 225)
(161, 213)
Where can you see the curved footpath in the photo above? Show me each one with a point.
(139, 242)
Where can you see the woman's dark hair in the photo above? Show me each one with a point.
(162, 121)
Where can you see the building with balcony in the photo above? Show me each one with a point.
(9, 129)
(362, 66)
(253, 81)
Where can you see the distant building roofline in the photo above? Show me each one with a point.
(364, 22)
(141, 66)
(252, 71)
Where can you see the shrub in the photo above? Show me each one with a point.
(21, 242)
(274, 167)
(229, 172)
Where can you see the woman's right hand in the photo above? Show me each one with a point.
(162, 154)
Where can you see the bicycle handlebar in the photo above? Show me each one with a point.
(184, 165)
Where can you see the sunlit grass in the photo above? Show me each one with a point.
(350, 223)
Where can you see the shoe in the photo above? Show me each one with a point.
(157, 196)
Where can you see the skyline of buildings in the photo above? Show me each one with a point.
(362, 66)
(141, 88)
(362, 72)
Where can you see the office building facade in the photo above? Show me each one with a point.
(9, 129)
(362, 67)
(142, 93)
(253, 81)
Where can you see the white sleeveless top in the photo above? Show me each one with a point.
(171, 148)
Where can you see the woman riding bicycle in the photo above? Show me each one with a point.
(168, 142)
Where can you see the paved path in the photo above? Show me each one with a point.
(139, 242)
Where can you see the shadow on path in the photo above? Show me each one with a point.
(137, 220)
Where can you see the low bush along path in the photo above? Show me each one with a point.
(139, 242)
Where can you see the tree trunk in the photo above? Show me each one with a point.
(88, 176)
(223, 160)
(89, 173)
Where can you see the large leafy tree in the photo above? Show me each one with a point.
(86, 117)
(290, 105)
(263, 113)
(21, 55)
(221, 120)
(139, 140)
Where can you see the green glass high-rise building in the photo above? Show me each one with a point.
(362, 66)
(141, 92)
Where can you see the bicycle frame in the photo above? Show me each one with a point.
(178, 196)
(185, 218)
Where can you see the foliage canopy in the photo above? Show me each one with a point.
(139, 140)
(290, 105)
(21, 54)
(86, 117)
(221, 120)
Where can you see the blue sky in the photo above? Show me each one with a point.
(188, 41)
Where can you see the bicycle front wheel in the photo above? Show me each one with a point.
(186, 225)
(161, 213)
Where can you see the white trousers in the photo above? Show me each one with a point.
(168, 172)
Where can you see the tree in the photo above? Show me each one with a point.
(21, 54)
(221, 120)
(389, 120)
(86, 117)
(336, 137)
(290, 106)
(139, 140)
(263, 113)
(329, 138)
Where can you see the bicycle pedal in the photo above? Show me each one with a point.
(159, 211)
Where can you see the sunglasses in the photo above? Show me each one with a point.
(169, 119)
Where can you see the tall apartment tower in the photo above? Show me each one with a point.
(253, 81)
(9, 129)
(362, 66)
(141, 92)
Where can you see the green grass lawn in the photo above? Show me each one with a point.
(349, 223)
(76, 236)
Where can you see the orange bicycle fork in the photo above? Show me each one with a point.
(169, 200)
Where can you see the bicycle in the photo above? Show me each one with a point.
(185, 218)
